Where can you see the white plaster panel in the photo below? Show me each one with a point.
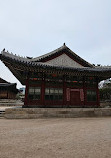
(64, 60)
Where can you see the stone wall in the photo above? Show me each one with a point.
(33, 113)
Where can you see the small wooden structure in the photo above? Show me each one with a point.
(7, 90)
(57, 79)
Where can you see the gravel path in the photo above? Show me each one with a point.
(55, 138)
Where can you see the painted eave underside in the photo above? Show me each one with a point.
(17, 64)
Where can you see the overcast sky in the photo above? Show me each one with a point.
(35, 27)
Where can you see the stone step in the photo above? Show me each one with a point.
(2, 113)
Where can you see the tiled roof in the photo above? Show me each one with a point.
(29, 62)
(16, 64)
(7, 84)
(48, 54)
(3, 81)
(57, 51)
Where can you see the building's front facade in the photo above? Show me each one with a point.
(57, 79)
(7, 90)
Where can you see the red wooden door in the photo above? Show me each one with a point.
(75, 98)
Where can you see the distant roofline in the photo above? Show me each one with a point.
(4, 81)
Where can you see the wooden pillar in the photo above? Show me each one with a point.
(7, 94)
(43, 93)
(98, 96)
(26, 93)
(85, 92)
(64, 94)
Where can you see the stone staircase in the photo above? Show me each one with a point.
(2, 113)
(10, 102)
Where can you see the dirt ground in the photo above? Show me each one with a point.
(55, 138)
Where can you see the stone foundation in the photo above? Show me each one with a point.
(33, 113)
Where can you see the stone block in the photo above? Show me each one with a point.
(32, 113)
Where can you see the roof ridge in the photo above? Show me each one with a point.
(14, 56)
(79, 57)
(59, 49)
(50, 53)
(65, 67)
(38, 59)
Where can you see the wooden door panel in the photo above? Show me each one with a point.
(75, 98)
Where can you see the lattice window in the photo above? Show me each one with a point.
(53, 94)
(34, 93)
(91, 95)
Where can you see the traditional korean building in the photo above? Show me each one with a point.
(7, 90)
(58, 79)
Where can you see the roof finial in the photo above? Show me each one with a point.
(64, 44)
(4, 50)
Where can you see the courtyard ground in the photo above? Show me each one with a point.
(55, 138)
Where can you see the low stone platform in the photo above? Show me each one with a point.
(10, 102)
(33, 113)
